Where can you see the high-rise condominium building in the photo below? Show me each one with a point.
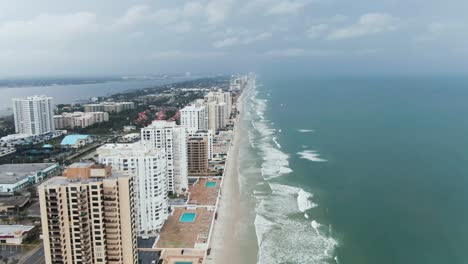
(209, 134)
(88, 216)
(197, 153)
(148, 166)
(33, 115)
(216, 115)
(194, 117)
(221, 97)
(172, 138)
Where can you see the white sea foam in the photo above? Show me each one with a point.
(315, 225)
(306, 130)
(284, 239)
(276, 142)
(303, 201)
(311, 155)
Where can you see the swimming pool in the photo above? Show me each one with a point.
(210, 184)
(187, 217)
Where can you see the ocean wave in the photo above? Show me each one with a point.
(311, 155)
(282, 237)
(306, 130)
(276, 142)
(304, 202)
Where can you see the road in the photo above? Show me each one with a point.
(37, 257)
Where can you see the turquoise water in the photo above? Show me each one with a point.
(360, 170)
(210, 184)
(188, 217)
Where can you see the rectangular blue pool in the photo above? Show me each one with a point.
(187, 217)
(210, 184)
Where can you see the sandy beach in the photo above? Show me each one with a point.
(226, 242)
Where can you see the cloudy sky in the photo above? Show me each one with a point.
(89, 37)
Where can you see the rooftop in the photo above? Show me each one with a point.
(14, 201)
(14, 229)
(72, 139)
(130, 149)
(64, 181)
(12, 173)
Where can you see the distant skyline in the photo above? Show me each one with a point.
(80, 38)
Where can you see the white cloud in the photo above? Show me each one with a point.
(285, 53)
(218, 11)
(287, 7)
(299, 52)
(317, 31)
(46, 26)
(177, 54)
(226, 42)
(368, 24)
(444, 27)
(192, 9)
(166, 16)
(244, 40)
(134, 15)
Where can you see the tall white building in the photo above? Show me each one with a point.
(194, 117)
(33, 115)
(148, 167)
(216, 115)
(221, 97)
(172, 138)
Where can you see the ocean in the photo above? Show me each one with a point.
(356, 171)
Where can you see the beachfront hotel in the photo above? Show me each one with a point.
(194, 117)
(172, 138)
(148, 166)
(87, 216)
(33, 115)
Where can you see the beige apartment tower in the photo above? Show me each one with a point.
(88, 216)
(197, 155)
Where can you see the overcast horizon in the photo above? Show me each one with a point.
(89, 38)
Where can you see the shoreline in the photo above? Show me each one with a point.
(226, 245)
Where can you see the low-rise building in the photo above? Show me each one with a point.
(4, 151)
(79, 119)
(12, 204)
(14, 177)
(76, 141)
(14, 234)
(23, 139)
(129, 128)
(110, 107)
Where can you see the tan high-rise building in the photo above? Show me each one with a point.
(197, 155)
(88, 216)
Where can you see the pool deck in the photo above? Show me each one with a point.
(204, 196)
(176, 234)
(172, 256)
